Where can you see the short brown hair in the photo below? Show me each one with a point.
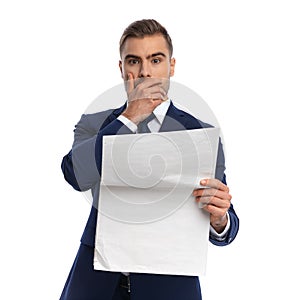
(141, 28)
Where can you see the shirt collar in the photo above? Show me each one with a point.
(161, 110)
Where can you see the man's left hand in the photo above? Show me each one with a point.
(216, 200)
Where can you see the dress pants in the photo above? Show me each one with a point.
(122, 289)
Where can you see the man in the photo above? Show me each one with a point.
(146, 65)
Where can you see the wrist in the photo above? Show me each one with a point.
(133, 119)
(219, 224)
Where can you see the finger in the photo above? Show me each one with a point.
(148, 83)
(130, 83)
(214, 183)
(158, 96)
(202, 201)
(215, 211)
(155, 92)
(149, 99)
(162, 94)
(215, 201)
(211, 192)
(156, 102)
(212, 196)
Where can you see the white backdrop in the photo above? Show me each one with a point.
(242, 57)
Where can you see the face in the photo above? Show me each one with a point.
(146, 57)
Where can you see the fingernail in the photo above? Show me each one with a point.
(203, 182)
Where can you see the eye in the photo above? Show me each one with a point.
(156, 60)
(133, 61)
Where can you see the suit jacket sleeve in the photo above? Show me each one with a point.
(233, 229)
(82, 165)
(234, 221)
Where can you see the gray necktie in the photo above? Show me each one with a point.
(143, 126)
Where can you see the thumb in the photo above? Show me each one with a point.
(130, 83)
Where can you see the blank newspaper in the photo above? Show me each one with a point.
(148, 219)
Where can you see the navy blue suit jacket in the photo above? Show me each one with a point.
(82, 169)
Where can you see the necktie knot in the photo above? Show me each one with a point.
(142, 127)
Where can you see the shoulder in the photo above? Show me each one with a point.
(97, 118)
(95, 121)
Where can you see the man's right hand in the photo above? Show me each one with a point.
(144, 95)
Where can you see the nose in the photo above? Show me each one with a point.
(145, 70)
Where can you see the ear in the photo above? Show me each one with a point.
(172, 66)
(121, 69)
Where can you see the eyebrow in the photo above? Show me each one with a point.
(149, 56)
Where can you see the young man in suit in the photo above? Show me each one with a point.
(146, 65)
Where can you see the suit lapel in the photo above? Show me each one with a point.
(174, 120)
(118, 111)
